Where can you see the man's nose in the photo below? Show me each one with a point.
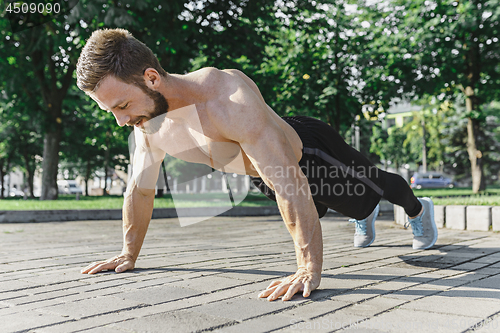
(121, 120)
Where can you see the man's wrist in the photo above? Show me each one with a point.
(316, 268)
(127, 255)
(311, 267)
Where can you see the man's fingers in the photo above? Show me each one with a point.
(124, 267)
(280, 290)
(89, 267)
(98, 268)
(292, 291)
(307, 289)
(118, 263)
(273, 284)
(101, 267)
(289, 287)
(270, 289)
(267, 292)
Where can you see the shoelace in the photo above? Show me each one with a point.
(360, 226)
(416, 226)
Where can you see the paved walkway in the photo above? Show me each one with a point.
(206, 277)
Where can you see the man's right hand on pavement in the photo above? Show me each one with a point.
(119, 263)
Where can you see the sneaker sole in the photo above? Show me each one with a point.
(434, 228)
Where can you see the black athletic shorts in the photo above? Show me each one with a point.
(339, 176)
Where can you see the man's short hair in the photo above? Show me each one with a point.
(114, 52)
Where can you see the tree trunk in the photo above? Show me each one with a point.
(106, 164)
(104, 188)
(31, 176)
(87, 177)
(424, 147)
(4, 170)
(335, 118)
(473, 71)
(2, 176)
(475, 155)
(50, 164)
(54, 88)
(30, 173)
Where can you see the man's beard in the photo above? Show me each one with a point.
(161, 104)
(153, 124)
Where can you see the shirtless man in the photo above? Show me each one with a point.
(124, 77)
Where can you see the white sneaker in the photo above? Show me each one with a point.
(424, 228)
(365, 229)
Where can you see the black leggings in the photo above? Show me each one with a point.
(340, 177)
(397, 192)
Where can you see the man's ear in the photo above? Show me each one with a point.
(152, 78)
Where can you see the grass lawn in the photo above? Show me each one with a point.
(116, 202)
(455, 196)
(462, 196)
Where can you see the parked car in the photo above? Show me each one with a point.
(430, 180)
(68, 187)
(14, 192)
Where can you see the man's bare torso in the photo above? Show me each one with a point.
(191, 130)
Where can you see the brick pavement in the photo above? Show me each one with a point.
(206, 277)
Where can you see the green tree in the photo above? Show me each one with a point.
(92, 140)
(455, 141)
(393, 146)
(21, 134)
(21, 128)
(175, 30)
(315, 57)
(439, 48)
(7, 154)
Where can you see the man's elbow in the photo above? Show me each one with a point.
(146, 192)
(133, 189)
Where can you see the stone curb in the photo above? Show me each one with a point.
(481, 218)
(495, 218)
(456, 217)
(116, 214)
(460, 217)
(21, 216)
(478, 218)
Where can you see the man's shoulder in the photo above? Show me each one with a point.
(219, 86)
(210, 74)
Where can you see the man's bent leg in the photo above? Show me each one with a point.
(423, 225)
(398, 192)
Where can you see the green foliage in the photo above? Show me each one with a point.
(328, 59)
(394, 146)
(429, 46)
(90, 137)
(431, 121)
(314, 59)
(447, 49)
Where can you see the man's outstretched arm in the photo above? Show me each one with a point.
(273, 157)
(247, 121)
(137, 210)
